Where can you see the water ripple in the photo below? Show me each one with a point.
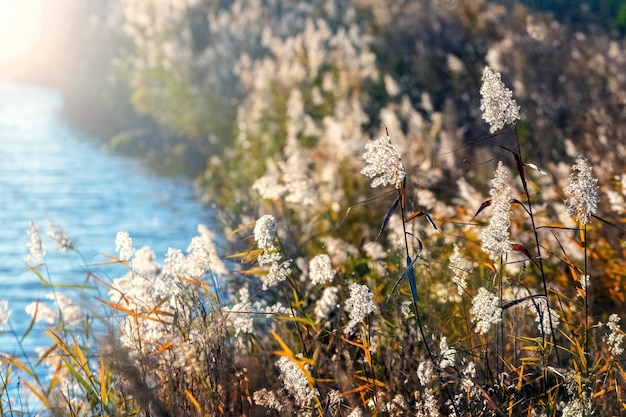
(51, 171)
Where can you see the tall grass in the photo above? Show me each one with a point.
(498, 306)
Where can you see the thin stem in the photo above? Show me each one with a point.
(520, 164)
(535, 233)
(410, 264)
(500, 332)
(408, 256)
(585, 284)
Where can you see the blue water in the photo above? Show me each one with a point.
(51, 171)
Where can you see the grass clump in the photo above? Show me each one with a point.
(397, 303)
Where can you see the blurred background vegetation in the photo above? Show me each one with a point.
(205, 87)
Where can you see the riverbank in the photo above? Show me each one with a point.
(53, 172)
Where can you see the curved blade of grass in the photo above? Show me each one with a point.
(299, 361)
(40, 395)
(31, 325)
(47, 283)
(521, 300)
(130, 312)
(286, 351)
(22, 367)
(89, 389)
(75, 363)
(393, 208)
(410, 274)
(349, 209)
(536, 168)
(35, 271)
(410, 267)
(483, 206)
(83, 361)
(247, 256)
(518, 247)
(422, 213)
(516, 201)
(418, 213)
(430, 220)
(608, 223)
(520, 169)
(363, 346)
(113, 261)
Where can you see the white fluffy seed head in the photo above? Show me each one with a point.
(582, 191)
(384, 164)
(265, 231)
(497, 104)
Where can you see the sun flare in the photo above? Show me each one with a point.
(21, 24)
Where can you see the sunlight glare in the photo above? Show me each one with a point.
(21, 31)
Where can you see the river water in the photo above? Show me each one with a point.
(52, 171)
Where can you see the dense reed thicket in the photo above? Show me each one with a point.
(212, 81)
(506, 310)
(386, 251)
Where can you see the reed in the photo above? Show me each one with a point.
(498, 306)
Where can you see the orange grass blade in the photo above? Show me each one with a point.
(418, 213)
(256, 271)
(423, 213)
(362, 346)
(103, 385)
(368, 354)
(518, 247)
(19, 365)
(249, 254)
(74, 366)
(40, 395)
(130, 312)
(106, 284)
(239, 229)
(365, 387)
(84, 365)
(163, 347)
(193, 400)
(370, 381)
(520, 377)
(286, 351)
(489, 265)
(298, 361)
(114, 260)
(58, 341)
